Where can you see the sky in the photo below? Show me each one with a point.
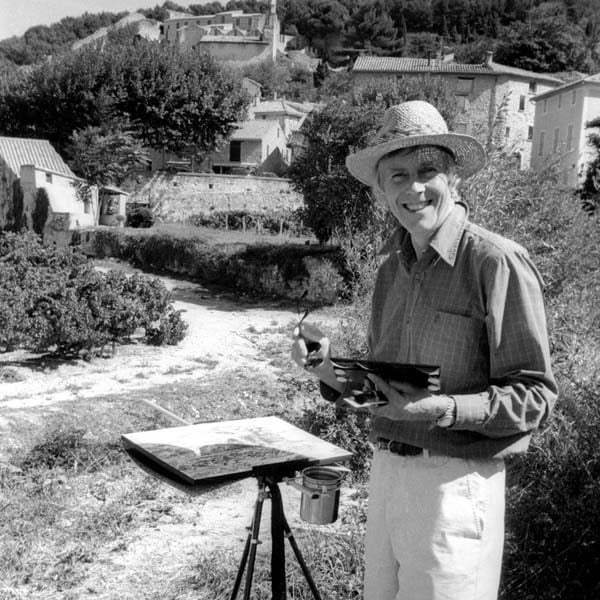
(16, 16)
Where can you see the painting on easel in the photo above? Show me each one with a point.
(227, 450)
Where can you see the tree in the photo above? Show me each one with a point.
(103, 157)
(372, 23)
(324, 24)
(333, 199)
(549, 44)
(171, 98)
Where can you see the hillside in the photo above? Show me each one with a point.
(540, 36)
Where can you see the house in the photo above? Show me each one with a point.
(289, 116)
(559, 127)
(252, 88)
(35, 183)
(255, 147)
(494, 100)
(232, 36)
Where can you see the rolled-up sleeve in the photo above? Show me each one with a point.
(522, 389)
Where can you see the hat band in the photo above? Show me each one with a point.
(388, 136)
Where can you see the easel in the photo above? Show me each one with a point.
(195, 457)
(268, 487)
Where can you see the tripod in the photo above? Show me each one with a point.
(279, 530)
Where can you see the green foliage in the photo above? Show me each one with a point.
(157, 95)
(52, 299)
(39, 216)
(284, 221)
(140, 216)
(103, 156)
(333, 199)
(281, 270)
(41, 41)
(16, 219)
(549, 44)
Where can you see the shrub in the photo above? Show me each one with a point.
(52, 299)
(140, 217)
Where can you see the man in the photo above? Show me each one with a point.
(451, 294)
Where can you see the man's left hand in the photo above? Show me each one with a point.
(407, 402)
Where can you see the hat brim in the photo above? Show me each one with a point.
(468, 153)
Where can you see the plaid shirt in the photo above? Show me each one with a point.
(471, 304)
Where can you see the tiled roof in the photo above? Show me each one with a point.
(276, 107)
(399, 64)
(253, 130)
(24, 151)
(594, 80)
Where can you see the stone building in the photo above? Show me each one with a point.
(494, 100)
(560, 130)
(232, 36)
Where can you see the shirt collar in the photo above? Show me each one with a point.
(445, 240)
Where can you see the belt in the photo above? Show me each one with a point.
(397, 447)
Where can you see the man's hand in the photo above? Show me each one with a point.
(407, 402)
(311, 351)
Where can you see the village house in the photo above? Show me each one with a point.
(561, 115)
(255, 147)
(34, 180)
(289, 115)
(39, 191)
(494, 100)
(232, 36)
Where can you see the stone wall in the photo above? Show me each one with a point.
(176, 197)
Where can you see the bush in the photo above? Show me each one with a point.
(140, 216)
(52, 299)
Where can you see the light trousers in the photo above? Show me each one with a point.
(435, 528)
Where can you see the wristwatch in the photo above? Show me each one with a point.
(448, 417)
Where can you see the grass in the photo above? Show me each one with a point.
(218, 236)
(72, 501)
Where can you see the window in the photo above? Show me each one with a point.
(573, 96)
(532, 87)
(235, 151)
(559, 100)
(545, 105)
(507, 132)
(570, 137)
(465, 85)
(461, 102)
(530, 133)
(541, 146)
(556, 136)
(521, 102)
(48, 177)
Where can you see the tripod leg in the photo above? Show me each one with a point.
(250, 547)
(254, 540)
(300, 559)
(278, 583)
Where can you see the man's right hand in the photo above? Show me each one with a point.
(311, 351)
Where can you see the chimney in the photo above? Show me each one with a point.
(489, 55)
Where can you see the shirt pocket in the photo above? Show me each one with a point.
(458, 344)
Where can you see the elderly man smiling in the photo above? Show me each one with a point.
(452, 294)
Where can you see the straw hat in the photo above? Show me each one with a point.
(415, 123)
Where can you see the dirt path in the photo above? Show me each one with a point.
(223, 337)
